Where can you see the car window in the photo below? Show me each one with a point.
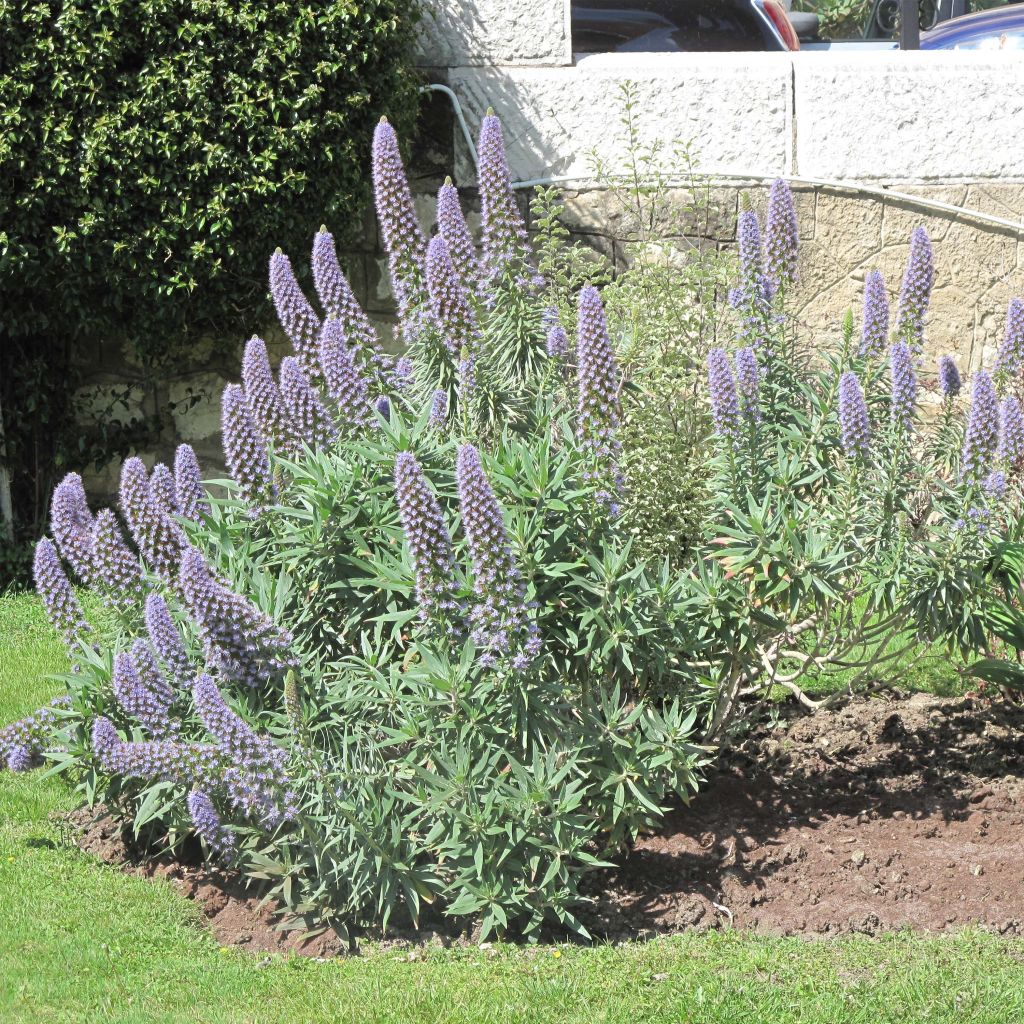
(602, 26)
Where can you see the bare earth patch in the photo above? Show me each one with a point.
(882, 815)
(888, 813)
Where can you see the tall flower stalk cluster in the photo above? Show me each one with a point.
(167, 642)
(949, 378)
(854, 422)
(297, 317)
(343, 378)
(143, 692)
(313, 423)
(1010, 356)
(71, 524)
(449, 300)
(245, 449)
(752, 298)
(53, 586)
(725, 404)
(116, 569)
(263, 397)
(505, 246)
(255, 772)
(501, 627)
(597, 381)
(339, 302)
(403, 237)
(981, 438)
(916, 289)
(903, 386)
(781, 236)
(159, 538)
(22, 743)
(188, 483)
(875, 324)
(429, 542)
(1011, 433)
(451, 224)
(238, 638)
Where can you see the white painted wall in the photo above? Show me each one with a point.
(875, 116)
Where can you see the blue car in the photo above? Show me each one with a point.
(1001, 28)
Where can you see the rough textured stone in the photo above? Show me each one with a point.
(474, 32)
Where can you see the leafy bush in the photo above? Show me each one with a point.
(151, 154)
(846, 530)
(400, 663)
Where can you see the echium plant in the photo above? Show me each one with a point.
(848, 528)
(398, 627)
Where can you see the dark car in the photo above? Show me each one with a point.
(998, 29)
(660, 26)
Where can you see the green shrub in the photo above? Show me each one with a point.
(151, 154)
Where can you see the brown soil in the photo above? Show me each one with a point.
(885, 814)
(882, 815)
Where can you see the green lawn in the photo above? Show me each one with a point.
(79, 941)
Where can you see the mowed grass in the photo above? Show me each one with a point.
(79, 941)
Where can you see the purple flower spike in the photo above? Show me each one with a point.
(116, 569)
(994, 485)
(71, 523)
(264, 398)
(875, 330)
(53, 586)
(19, 759)
(158, 537)
(439, 409)
(429, 541)
(853, 417)
(903, 385)
(167, 642)
(184, 764)
(448, 299)
(558, 344)
(453, 229)
(345, 384)
(1011, 350)
(208, 825)
(725, 406)
(245, 449)
(298, 321)
(505, 243)
(188, 482)
(338, 300)
(403, 373)
(981, 438)
(161, 486)
(949, 378)
(145, 695)
(1011, 433)
(500, 624)
(23, 742)
(238, 638)
(754, 294)
(400, 228)
(305, 409)
(383, 406)
(748, 383)
(256, 774)
(598, 390)
(918, 279)
(781, 235)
